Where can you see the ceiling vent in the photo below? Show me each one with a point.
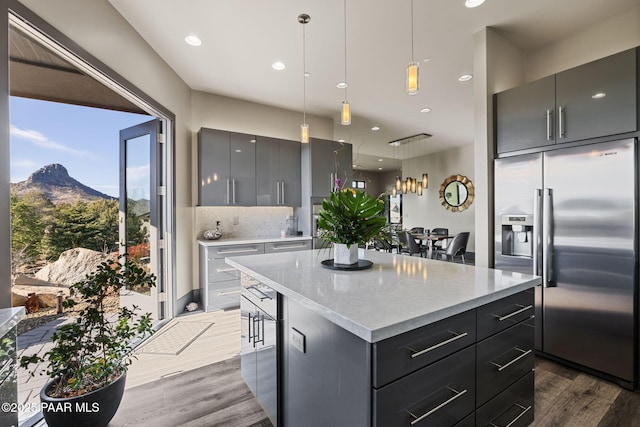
(409, 139)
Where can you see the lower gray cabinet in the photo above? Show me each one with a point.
(513, 407)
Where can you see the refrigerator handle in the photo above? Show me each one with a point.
(547, 239)
(537, 231)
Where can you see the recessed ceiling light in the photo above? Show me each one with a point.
(278, 66)
(425, 60)
(379, 169)
(380, 160)
(354, 165)
(253, 141)
(465, 77)
(599, 95)
(375, 128)
(193, 40)
(307, 74)
(473, 3)
(342, 85)
(425, 110)
(341, 140)
(238, 151)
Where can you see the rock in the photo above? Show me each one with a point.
(17, 300)
(72, 266)
(24, 280)
(47, 295)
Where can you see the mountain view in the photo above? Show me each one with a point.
(56, 184)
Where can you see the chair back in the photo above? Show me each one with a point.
(417, 230)
(458, 245)
(408, 242)
(440, 231)
(402, 238)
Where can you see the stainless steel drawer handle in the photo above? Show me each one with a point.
(437, 408)
(284, 247)
(515, 313)
(524, 411)
(440, 344)
(221, 294)
(262, 295)
(238, 251)
(506, 365)
(225, 270)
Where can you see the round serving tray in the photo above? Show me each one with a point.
(362, 264)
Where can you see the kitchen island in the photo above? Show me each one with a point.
(410, 341)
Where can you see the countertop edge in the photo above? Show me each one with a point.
(380, 334)
(250, 240)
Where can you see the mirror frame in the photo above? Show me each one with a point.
(470, 192)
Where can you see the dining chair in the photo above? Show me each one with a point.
(457, 246)
(408, 244)
(417, 230)
(438, 245)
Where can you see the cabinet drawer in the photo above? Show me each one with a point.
(220, 271)
(470, 421)
(513, 407)
(295, 245)
(234, 250)
(223, 295)
(502, 314)
(503, 359)
(438, 395)
(403, 354)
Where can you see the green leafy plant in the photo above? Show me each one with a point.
(352, 217)
(97, 347)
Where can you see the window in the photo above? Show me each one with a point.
(358, 184)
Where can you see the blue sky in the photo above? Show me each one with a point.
(84, 140)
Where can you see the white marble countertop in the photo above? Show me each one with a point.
(250, 240)
(9, 317)
(398, 294)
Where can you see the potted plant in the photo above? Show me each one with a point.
(90, 356)
(350, 218)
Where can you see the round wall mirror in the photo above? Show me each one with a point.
(456, 193)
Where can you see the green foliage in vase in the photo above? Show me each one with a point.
(97, 347)
(351, 217)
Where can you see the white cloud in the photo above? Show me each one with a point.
(40, 140)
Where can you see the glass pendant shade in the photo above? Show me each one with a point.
(304, 133)
(425, 180)
(413, 185)
(345, 117)
(398, 183)
(404, 187)
(413, 78)
(419, 187)
(394, 192)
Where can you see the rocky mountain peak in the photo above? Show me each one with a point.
(53, 174)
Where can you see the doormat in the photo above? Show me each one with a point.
(172, 339)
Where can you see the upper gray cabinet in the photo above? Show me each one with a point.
(328, 161)
(277, 172)
(226, 168)
(592, 100)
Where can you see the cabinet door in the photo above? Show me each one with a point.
(248, 361)
(323, 167)
(242, 162)
(213, 167)
(267, 364)
(344, 163)
(598, 98)
(290, 173)
(525, 116)
(268, 171)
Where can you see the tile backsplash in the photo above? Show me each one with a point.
(239, 222)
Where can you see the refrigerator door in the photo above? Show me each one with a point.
(516, 179)
(588, 298)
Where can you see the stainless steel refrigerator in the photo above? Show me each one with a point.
(569, 215)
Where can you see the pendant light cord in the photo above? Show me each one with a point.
(345, 51)
(304, 77)
(411, 30)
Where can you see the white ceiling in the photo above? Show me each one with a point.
(241, 39)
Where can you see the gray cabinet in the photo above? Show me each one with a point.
(326, 162)
(593, 100)
(277, 172)
(226, 168)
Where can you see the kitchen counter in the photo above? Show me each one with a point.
(249, 240)
(398, 294)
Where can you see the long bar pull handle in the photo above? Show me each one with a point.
(250, 321)
(331, 182)
(224, 270)
(233, 182)
(440, 406)
(262, 297)
(440, 344)
(515, 313)
(549, 122)
(256, 330)
(524, 411)
(223, 294)
(288, 247)
(537, 231)
(228, 192)
(277, 192)
(282, 189)
(523, 353)
(238, 251)
(547, 237)
(561, 132)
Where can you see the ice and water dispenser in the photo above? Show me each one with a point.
(517, 235)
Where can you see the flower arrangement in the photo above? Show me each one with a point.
(351, 217)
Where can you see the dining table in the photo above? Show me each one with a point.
(431, 238)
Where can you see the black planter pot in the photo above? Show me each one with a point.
(94, 409)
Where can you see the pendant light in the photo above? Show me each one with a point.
(419, 188)
(425, 181)
(345, 116)
(304, 127)
(413, 67)
(398, 183)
